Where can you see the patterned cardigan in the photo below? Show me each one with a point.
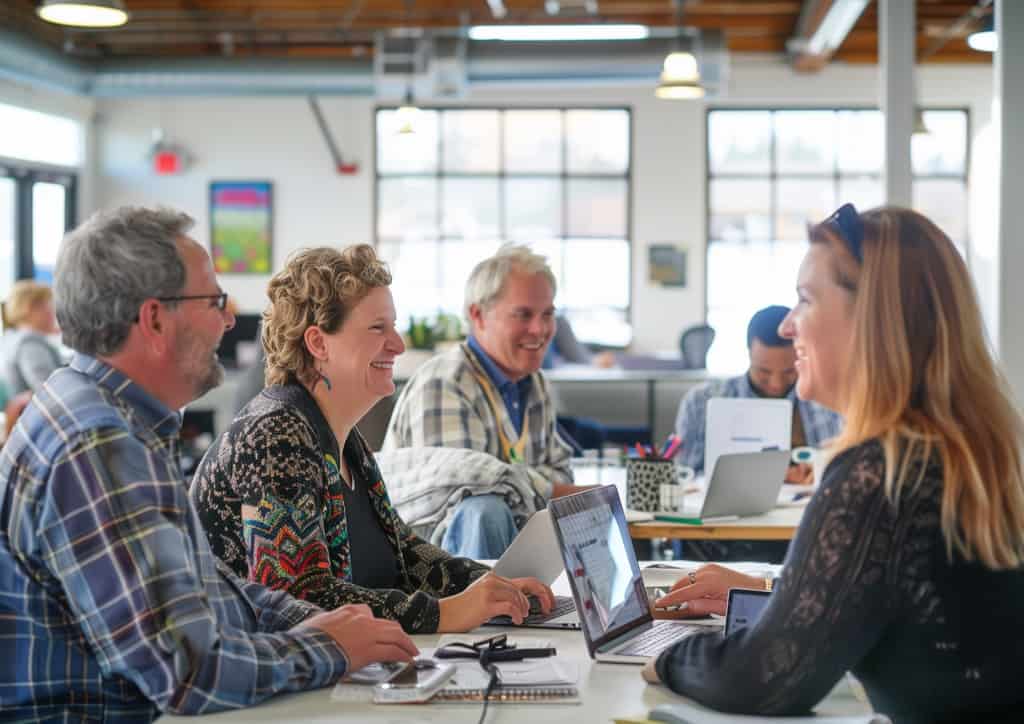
(269, 495)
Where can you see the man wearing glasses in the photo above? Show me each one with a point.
(112, 606)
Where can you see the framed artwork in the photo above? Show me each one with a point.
(241, 226)
(667, 264)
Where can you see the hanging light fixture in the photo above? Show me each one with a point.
(680, 77)
(920, 127)
(984, 38)
(407, 114)
(83, 13)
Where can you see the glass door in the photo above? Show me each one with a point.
(49, 222)
(8, 234)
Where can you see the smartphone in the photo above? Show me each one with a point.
(415, 681)
(744, 608)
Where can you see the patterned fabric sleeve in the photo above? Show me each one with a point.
(432, 569)
(115, 537)
(839, 590)
(279, 476)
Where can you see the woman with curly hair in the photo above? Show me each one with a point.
(290, 495)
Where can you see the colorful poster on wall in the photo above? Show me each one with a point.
(241, 220)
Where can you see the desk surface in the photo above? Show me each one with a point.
(607, 691)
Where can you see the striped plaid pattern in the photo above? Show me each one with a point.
(443, 405)
(112, 606)
(820, 423)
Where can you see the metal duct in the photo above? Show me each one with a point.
(26, 61)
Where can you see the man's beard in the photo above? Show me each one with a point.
(201, 368)
(761, 393)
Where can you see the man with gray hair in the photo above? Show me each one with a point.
(112, 605)
(487, 396)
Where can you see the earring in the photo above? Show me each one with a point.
(324, 379)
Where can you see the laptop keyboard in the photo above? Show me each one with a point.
(656, 639)
(563, 605)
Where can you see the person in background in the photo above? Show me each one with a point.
(28, 356)
(566, 348)
(772, 373)
(908, 565)
(486, 396)
(112, 605)
(290, 495)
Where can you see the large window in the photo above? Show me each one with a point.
(467, 180)
(771, 172)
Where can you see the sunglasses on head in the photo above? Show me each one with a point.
(847, 224)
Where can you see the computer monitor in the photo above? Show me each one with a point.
(246, 329)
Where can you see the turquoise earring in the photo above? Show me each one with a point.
(324, 379)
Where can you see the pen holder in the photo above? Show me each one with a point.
(644, 479)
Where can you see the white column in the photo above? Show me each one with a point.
(896, 44)
(1009, 114)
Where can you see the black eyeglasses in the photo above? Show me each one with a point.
(846, 222)
(222, 299)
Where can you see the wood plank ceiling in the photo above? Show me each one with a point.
(345, 28)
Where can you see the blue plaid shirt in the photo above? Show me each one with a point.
(112, 606)
(819, 422)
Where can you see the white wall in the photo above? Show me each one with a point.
(276, 139)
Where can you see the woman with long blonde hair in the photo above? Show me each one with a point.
(908, 565)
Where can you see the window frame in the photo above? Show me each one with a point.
(502, 174)
(25, 175)
(836, 175)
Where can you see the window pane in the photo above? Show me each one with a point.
(606, 326)
(36, 136)
(533, 208)
(597, 141)
(8, 226)
(944, 201)
(802, 201)
(554, 251)
(608, 287)
(415, 270)
(805, 141)
(597, 207)
(861, 141)
(470, 207)
(740, 141)
(864, 193)
(741, 210)
(743, 278)
(470, 141)
(533, 141)
(943, 150)
(407, 208)
(407, 152)
(48, 226)
(457, 261)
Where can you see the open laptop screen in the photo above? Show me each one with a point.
(600, 562)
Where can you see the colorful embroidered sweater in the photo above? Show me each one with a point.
(269, 495)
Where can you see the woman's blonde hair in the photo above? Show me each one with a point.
(316, 287)
(25, 295)
(923, 380)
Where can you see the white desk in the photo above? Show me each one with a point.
(607, 691)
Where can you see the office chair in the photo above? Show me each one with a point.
(694, 345)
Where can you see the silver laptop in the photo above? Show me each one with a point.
(742, 484)
(606, 583)
(534, 552)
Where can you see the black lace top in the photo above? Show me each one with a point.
(868, 587)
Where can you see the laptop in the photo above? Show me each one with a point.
(743, 425)
(742, 484)
(534, 552)
(605, 579)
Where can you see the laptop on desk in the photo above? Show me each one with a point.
(742, 484)
(534, 552)
(611, 601)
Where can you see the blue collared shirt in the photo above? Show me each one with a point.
(112, 605)
(514, 394)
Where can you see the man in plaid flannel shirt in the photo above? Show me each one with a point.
(488, 395)
(112, 606)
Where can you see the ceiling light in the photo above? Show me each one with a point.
(835, 26)
(547, 33)
(83, 13)
(680, 78)
(984, 38)
(407, 115)
(920, 127)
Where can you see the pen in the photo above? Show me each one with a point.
(673, 448)
(640, 450)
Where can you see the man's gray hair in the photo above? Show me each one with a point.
(488, 277)
(108, 266)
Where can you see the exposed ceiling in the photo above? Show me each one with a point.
(327, 29)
